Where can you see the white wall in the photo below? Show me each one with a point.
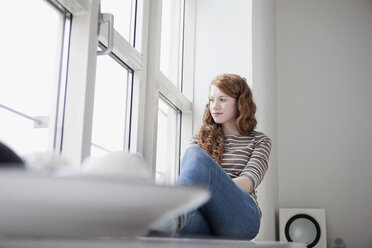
(224, 45)
(264, 90)
(324, 62)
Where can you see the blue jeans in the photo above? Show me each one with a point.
(230, 213)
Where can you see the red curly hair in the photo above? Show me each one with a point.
(211, 137)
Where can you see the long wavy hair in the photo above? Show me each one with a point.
(211, 137)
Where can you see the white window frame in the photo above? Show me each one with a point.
(53, 121)
(77, 131)
(159, 83)
(149, 82)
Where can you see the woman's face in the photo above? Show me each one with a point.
(223, 108)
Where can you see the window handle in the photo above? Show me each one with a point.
(109, 18)
(39, 121)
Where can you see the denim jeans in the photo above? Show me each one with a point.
(230, 213)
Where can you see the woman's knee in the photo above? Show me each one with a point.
(196, 159)
(195, 151)
(196, 156)
(195, 167)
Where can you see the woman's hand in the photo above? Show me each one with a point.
(244, 183)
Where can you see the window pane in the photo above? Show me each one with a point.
(138, 25)
(123, 16)
(111, 101)
(171, 38)
(29, 75)
(167, 145)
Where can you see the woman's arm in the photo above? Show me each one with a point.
(244, 183)
(258, 161)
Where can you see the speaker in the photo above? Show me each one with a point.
(303, 225)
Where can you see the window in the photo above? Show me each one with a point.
(167, 158)
(124, 13)
(100, 88)
(86, 104)
(32, 58)
(111, 106)
(175, 108)
(172, 40)
(114, 81)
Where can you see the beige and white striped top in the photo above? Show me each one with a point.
(246, 156)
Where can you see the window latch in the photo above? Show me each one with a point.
(109, 18)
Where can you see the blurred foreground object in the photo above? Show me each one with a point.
(119, 164)
(8, 158)
(44, 206)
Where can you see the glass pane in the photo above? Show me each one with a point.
(167, 144)
(122, 11)
(171, 38)
(29, 74)
(138, 26)
(110, 106)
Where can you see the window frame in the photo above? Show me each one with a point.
(115, 55)
(148, 81)
(160, 84)
(56, 134)
(177, 139)
(55, 118)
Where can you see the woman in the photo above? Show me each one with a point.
(230, 159)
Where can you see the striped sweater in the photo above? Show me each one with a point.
(246, 156)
